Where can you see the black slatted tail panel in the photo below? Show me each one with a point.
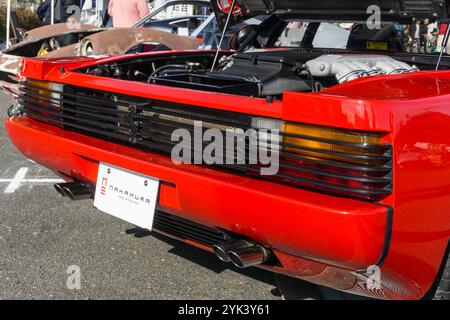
(187, 230)
(362, 171)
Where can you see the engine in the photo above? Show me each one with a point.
(257, 73)
(350, 67)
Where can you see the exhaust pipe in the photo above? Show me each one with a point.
(60, 187)
(221, 250)
(249, 256)
(75, 190)
(242, 253)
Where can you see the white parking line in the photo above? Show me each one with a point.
(33, 180)
(19, 179)
(15, 183)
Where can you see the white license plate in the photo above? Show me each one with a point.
(127, 195)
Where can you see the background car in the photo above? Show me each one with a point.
(165, 28)
(361, 148)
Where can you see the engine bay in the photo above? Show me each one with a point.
(255, 73)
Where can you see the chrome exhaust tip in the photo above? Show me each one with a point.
(60, 188)
(78, 192)
(74, 190)
(221, 250)
(249, 256)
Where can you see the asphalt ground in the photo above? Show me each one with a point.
(46, 241)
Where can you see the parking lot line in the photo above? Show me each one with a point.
(15, 183)
(19, 179)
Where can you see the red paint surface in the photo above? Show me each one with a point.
(317, 237)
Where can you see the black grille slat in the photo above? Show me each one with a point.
(57, 115)
(383, 180)
(23, 87)
(202, 114)
(96, 131)
(41, 106)
(106, 110)
(44, 118)
(194, 227)
(386, 169)
(190, 231)
(187, 230)
(357, 168)
(311, 182)
(363, 191)
(339, 154)
(88, 122)
(41, 99)
(96, 115)
(183, 233)
(176, 125)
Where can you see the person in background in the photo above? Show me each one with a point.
(125, 13)
(107, 19)
(432, 34)
(399, 30)
(418, 33)
(442, 29)
(91, 8)
(64, 9)
(44, 11)
(407, 38)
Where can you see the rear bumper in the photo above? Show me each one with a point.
(318, 237)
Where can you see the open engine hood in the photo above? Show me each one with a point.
(336, 10)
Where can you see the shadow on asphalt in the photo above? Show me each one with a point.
(203, 258)
(287, 287)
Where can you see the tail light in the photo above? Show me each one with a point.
(338, 161)
(347, 162)
(44, 91)
(332, 144)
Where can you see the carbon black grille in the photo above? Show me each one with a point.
(187, 230)
(349, 169)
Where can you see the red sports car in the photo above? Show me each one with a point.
(318, 148)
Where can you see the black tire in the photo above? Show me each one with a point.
(441, 287)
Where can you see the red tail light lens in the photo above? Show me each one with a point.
(347, 162)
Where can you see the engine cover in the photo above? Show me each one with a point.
(350, 67)
(273, 69)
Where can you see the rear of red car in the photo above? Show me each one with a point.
(360, 200)
(362, 180)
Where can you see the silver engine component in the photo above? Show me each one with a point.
(349, 67)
